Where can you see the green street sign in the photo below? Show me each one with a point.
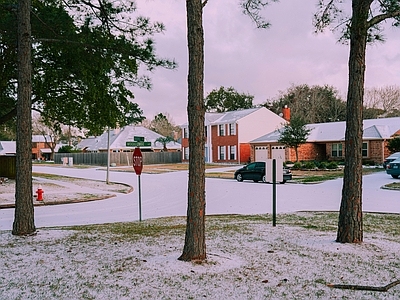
(138, 144)
(131, 144)
(138, 138)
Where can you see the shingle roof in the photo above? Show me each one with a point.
(8, 147)
(38, 138)
(233, 116)
(335, 131)
(226, 117)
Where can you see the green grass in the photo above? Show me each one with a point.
(388, 224)
(320, 176)
(393, 185)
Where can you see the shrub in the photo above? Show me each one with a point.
(309, 165)
(297, 165)
(68, 149)
(332, 165)
(322, 165)
(368, 162)
(394, 145)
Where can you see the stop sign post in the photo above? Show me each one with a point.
(138, 167)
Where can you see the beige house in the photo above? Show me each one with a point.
(228, 134)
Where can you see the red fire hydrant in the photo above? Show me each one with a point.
(40, 193)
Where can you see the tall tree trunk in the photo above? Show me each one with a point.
(195, 246)
(350, 227)
(24, 214)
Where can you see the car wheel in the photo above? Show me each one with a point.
(395, 176)
(264, 179)
(283, 182)
(239, 177)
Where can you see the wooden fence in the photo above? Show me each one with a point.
(118, 158)
(7, 166)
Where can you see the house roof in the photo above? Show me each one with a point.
(119, 137)
(48, 150)
(383, 128)
(8, 148)
(38, 138)
(212, 118)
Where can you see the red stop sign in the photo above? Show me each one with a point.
(137, 161)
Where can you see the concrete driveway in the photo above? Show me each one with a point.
(166, 195)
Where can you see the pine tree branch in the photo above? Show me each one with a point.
(379, 18)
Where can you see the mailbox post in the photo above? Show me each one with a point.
(138, 167)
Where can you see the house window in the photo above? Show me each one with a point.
(221, 129)
(365, 149)
(232, 152)
(205, 131)
(186, 153)
(337, 150)
(185, 133)
(232, 129)
(221, 152)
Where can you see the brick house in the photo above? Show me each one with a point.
(228, 134)
(327, 142)
(41, 147)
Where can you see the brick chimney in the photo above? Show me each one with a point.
(286, 113)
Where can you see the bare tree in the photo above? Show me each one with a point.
(24, 215)
(386, 98)
(361, 27)
(314, 104)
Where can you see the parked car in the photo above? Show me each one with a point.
(391, 158)
(393, 168)
(256, 171)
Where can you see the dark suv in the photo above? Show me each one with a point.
(256, 171)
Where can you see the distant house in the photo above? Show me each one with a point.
(126, 139)
(41, 147)
(327, 142)
(228, 134)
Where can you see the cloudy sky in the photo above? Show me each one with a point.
(260, 62)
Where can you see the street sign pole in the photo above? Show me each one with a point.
(140, 200)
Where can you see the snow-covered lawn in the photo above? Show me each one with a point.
(247, 259)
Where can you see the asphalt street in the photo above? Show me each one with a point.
(166, 195)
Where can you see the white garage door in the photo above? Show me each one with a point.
(278, 152)
(261, 153)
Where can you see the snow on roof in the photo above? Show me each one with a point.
(45, 150)
(119, 137)
(382, 128)
(41, 139)
(8, 147)
(212, 118)
(233, 116)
